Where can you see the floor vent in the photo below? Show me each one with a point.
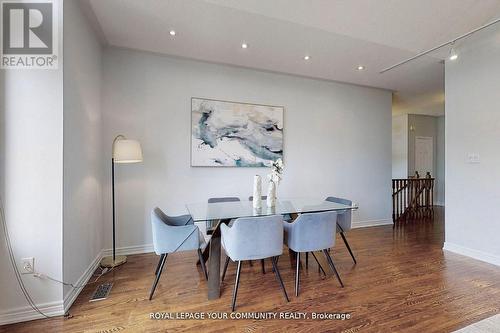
(101, 292)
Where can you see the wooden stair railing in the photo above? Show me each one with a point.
(412, 198)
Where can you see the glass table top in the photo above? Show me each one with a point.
(204, 211)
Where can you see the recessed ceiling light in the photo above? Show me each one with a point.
(360, 68)
(307, 57)
(172, 32)
(244, 45)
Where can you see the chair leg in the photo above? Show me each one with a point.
(202, 263)
(332, 266)
(163, 259)
(297, 275)
(159, 263)
(237, 282)
(348, 247)
(277, 259)
(278, 277)
(262, 264)
(320, 268)
(225, 268)
(307, 260)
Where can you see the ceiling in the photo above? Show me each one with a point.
(338, 35)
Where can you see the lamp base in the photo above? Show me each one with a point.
(108, 261)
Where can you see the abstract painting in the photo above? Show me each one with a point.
(235, 134)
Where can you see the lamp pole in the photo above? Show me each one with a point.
(113, 201)
(106, 261)
(118, 137)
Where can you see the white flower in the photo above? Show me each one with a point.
(276, 171)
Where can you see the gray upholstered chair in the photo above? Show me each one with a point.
(254, 238)
(311, 232)
(174, 234)
(264, 197)
(344, 221)
(232, 199)
(223, 199)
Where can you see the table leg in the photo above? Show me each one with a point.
(205, 253)
(291, 254)
(214, 267)
(214, 263)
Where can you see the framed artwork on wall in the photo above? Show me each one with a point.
(233, 134)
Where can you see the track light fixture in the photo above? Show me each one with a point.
(453, 54)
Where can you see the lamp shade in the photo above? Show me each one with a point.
(127, 151)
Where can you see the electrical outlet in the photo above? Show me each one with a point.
(28, 265)
(473, 158)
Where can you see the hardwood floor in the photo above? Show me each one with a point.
(403, 282)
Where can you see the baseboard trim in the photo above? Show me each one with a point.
(26, 313)
(128, 250)
(370, 223)
(471, 253)
(439, 203)
(72, 294)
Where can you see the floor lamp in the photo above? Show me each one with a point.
(124, 151)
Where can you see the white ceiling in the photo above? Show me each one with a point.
(338, 35)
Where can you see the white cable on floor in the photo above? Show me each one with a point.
(39, 275)
(13, 262)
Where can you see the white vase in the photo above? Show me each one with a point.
(257, 191)
(271, 194)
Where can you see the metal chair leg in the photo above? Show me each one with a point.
(237, 282)
(278, 277)
(277, 259)
(320, 268)
(225, 268)
(163, 259)
(159, 263)
(202, 263)
(307, 260)
(262, 264)
(348, 247)
(297, 275)
(332, 266)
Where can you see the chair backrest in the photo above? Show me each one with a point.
(344, 220)
(252, 238)
(172, 220)
(168, 238)
(312, 232)
(223, 199)
(264, 197)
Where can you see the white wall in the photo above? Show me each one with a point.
(337, 138)
(83, 165)
(420, 125)
(473, 127)
(31, 184)
(400, 146)
(440, 162)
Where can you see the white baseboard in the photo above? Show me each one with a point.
(72, 294)
(128, 250)
(26, 313)
(370, 223)
(471, 253)
(439, 203)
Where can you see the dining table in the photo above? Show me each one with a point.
(214, 214)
